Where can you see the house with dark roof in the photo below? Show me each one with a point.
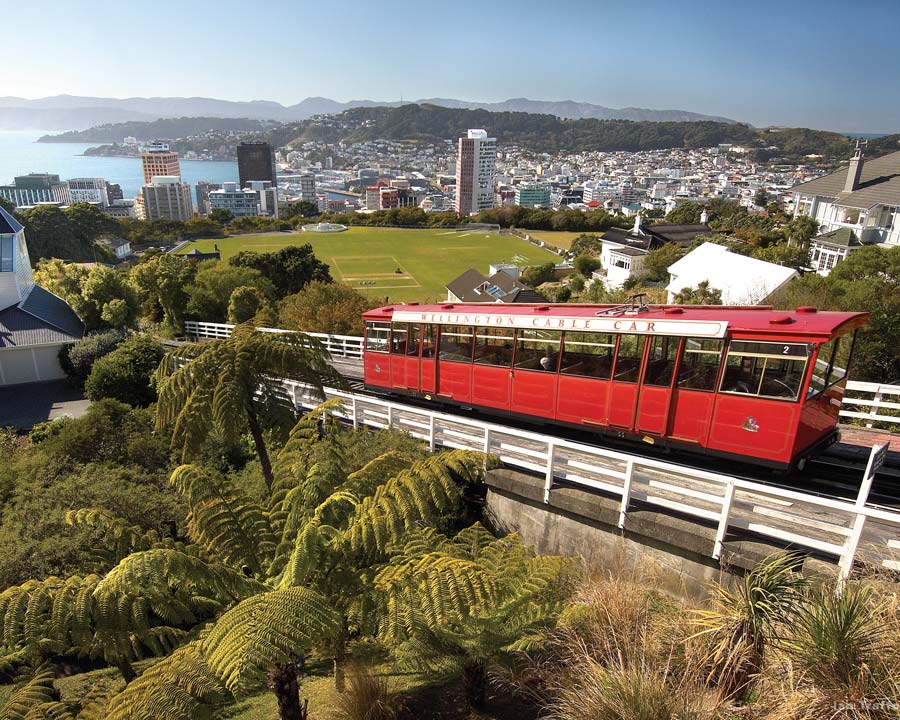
(856, 206)
(34, 323)
(501, 287)
(623, 251)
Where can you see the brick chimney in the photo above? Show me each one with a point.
(855, 169)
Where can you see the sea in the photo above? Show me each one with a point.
(20, 154)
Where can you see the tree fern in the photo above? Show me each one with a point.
(117, 537)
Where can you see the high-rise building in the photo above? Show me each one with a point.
(89, 190)
(475, 172)
(159, 161)
(114, 192)
(36, 188)
(203, 189)
(533, 195)
(268, 197)
(256, 161)
(308, 187)
(240, 202)
(166, 197)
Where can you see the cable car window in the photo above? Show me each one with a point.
(538, 350)
(493, 346)
(819, 378)
(588, 354)
(840, 362)
(456, 343)
(412, 339)
(628, 358)
(398, 339)
(428, 335)
(661, 361)
(377, 334)
(772, 370)
(700, 363)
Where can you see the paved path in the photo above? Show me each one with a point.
(32, 403)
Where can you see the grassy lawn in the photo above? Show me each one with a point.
(557, 239)
(426, 259)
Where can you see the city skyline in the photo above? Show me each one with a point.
(803, 64)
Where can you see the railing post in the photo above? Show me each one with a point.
(845, 566)
(431, 432)
(548, 478)
(626, 492)
(353, 405)
(873, 411)
(390, 416)
(722, 530)
(487, 445)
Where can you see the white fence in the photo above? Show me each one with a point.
(843, 529)
(343, 346)
(863, 401)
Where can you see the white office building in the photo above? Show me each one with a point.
(241, 202)
(475, 172)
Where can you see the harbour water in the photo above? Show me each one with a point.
(20, 155)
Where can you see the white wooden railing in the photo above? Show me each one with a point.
(342, 346)
(863, 401)
(844, 529)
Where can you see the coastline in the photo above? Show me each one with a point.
(138, 157)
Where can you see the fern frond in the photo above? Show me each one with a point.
(266, 630)
(50, 711)
(179, 687)
(38, 691)
(223, 519)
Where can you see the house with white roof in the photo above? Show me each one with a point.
(34, 323)
(856, 206)
(742, 280)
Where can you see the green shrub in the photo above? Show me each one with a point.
(78, 359)
(586, 264)
(124, 374)
(538, 274)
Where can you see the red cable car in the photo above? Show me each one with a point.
(748, 383)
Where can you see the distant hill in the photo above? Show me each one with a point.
(70, 112)
(163, 129)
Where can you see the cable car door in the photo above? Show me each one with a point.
(428, 361)
(624, 388)
(655, 394)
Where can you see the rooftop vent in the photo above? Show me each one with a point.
(781, 320)
(674, 311)
(807, 309)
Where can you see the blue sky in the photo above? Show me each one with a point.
(822, 64)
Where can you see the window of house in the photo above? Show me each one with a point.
(377, 336)
(456, 343)
(6, 253)
(588, 354)
(628, 358)
(538, 349)
(494, 346)
(765, 369)
(700, 362)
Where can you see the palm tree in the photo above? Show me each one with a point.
(745, 620)
(233, 386)
(259, 584)
(455, 606)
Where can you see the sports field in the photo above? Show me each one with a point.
(561, 240)
(405, 265)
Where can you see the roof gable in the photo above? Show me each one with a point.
(8, 224)
(879, 184)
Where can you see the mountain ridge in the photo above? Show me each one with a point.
(74, 112)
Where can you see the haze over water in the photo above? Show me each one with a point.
(20, 155)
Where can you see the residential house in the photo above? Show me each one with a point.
(862, 198)
(623, 251)
(34, 323)
(742, 280)
(501, 287)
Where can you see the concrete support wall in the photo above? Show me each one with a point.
(676, 551)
